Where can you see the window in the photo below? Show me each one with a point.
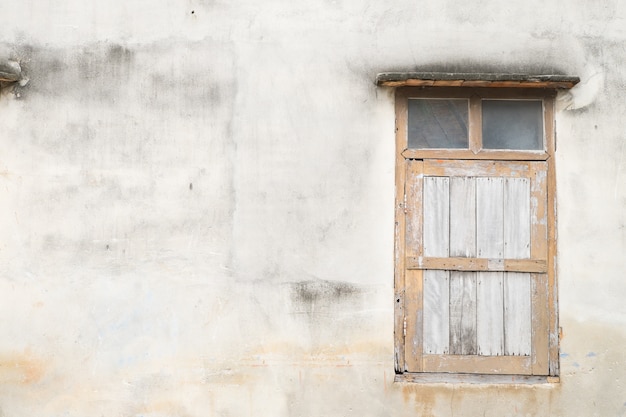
(475, 233)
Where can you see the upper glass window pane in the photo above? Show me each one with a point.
(512, 124)
(438, 123)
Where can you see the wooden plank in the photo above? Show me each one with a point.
(548, 122)
(490, 217)
(436, 312)
(522, 84)
(414, 189)
(468, 92)
(447, 83)
(478, 264)
(436, 216)
(490, 328)
(399, 241)
(517, 314)
(490, 243)
(472, 364)
(538, 210)
(466, 154)
(463, 217)
(540, 324)
(409, 83)
(456, 313)
(552, 220)
(543, 219)
(421, 79)
(436, 243)
(455, 83)
(452, 168)
(413, 342)
(475, 125)
(517, 218)
(517, 306)
(462, 284)
(462, 313)
(458, 378)
(552, 249)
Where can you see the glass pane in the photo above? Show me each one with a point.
(438, 123)
(510, 124)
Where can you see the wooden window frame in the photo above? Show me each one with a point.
(406, 290)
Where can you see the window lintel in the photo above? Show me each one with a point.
(447, 79)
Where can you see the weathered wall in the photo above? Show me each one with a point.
(196, 211)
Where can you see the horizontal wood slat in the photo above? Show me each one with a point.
(435, 79)
(454, 168)
(448, 378)
(403, 94)
(477, 264)
(467, 154)
(476, 83)
(472, 364)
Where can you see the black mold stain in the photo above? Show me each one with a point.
(174, 78)
(309, 293)
(319, 304)
(120, 55)
(94, 71)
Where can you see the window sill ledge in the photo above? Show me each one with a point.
(447, 378)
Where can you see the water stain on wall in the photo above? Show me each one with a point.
(438, 399)
(321, 306)
(309, 293)
(20, 368)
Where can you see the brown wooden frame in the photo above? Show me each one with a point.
(412, 162)
(498, 80)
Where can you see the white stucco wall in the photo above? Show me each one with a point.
(196, 205)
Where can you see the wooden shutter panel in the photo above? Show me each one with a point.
(476, 265)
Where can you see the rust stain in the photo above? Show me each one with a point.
(20, 368)
(431, 400)
(424, 398)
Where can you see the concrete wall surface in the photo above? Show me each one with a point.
(196, 204)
